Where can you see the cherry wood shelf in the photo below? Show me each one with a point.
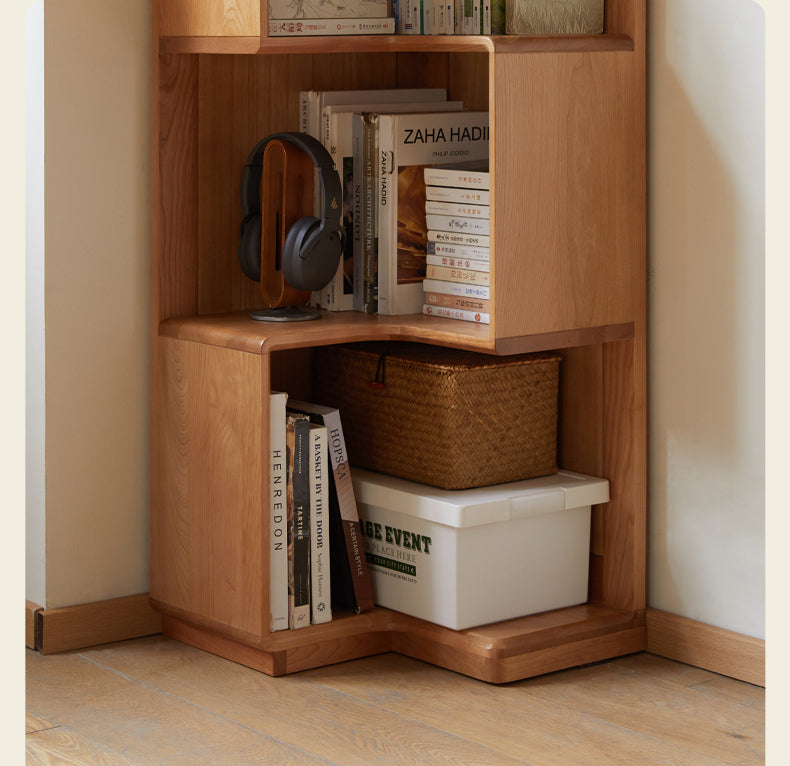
(396, 44)
(568, 271)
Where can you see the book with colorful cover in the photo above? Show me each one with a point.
(278, 513)
(298, 450)
(406, 144)
(351, 583)
(320, 574)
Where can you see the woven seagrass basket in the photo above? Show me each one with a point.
(444, 417)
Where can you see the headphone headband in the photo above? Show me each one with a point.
(329, 181)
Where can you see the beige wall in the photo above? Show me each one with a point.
(706, 293)
(96, 244)
(706, 540)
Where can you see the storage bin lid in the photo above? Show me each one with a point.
(481, 505)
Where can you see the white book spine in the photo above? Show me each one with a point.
(456, 288)
(459, 251)
(459, 238)
(464, 209)
(458, 263)
(471, 179)
(457, 194)
(457, 223)
(278, 520)
(467, 316)
(320, 581)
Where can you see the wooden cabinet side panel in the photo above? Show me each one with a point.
(208, 540)
(174, 176)
(214, 18)
(567, 197)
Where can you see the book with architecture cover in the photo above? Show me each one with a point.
(406, 144)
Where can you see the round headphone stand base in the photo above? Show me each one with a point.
(285, 314)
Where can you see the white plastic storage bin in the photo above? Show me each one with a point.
(462, 558)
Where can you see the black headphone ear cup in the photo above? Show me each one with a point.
(250, 247)
(295, 256)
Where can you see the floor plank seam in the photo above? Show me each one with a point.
(213, 713)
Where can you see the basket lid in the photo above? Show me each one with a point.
(561, 491)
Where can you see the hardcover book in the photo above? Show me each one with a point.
(278, 519)
(351, 584)
(407, 143)
(320, 577)
(326, 9)
(345, 26)
(298, 447)
(337, 137)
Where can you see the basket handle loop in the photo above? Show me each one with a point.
(381, 372)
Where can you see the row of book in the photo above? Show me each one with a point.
(381, 142)
(370, 17)
(316, 557)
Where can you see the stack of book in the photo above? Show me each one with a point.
(450, 17)
(329, 17)
(458, 263)
(316, 557)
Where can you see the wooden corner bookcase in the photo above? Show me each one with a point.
(567, 158)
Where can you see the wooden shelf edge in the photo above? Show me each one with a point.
(501, 44)
(238, 332)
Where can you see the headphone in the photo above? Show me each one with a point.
(312, 249)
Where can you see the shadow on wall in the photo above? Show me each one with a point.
(706, 300)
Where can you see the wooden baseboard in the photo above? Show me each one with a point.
(705, 646)
(100, 622)
(31, 624)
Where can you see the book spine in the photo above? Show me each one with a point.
(497, 17)
(450, 274)
(320, 579)
(458, 263)
(458, 238)
(458, 224)
(470, 179)
(370, 227)
(459, 251)
(457, 194)
(358, 269)
(299, 571)
(464, 209)
(457, 302)
(344, 487)
(465, 316)
(457, 288)
(339, 26)
(278, 527)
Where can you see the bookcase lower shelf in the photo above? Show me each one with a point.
(498, 653)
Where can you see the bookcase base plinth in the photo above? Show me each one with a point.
(499, 653)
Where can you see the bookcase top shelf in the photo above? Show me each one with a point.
(396, 44)
(237, 331)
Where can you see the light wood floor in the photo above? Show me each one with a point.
(155, 701)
